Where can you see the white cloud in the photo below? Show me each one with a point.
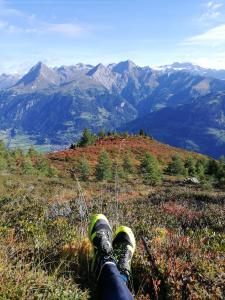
(212, 13)
(215, 61)
(214, 6)
(214, 36)
(9, 28)
(2, 24)
(6, 11)
(65, 29)
(10, 18)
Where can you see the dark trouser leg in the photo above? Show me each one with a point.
(111, 286)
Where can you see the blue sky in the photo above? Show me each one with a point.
(149, 32)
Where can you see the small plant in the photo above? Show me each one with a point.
(207, 185)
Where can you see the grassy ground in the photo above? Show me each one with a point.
(45, 254)
(44, 250)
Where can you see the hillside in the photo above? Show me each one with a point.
(116, 147)
(198, 125)
(46, 202)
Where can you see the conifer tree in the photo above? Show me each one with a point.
(101, 133)
(27, 166)
(125, 134)
(2, 147)
(103, 167)
(3, 156)
(44, 168)
(142, 132)
(221, 169)
(200, 169)
(3, 163)
(117, 170)
(32, 152)
(190, 165)
(176, 166)
(17, 153)
(84, 169)
(42, 165)
(87, 138)
(150, 169)
(212, 167)
(127, 164)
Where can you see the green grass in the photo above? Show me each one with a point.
(44, 253)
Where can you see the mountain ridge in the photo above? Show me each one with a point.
(53, 105)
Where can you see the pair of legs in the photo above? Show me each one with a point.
(112, 258)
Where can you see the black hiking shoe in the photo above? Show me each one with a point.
(124, 246)
(100, 235)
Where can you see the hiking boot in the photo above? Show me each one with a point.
(100, 235)
(124, 246)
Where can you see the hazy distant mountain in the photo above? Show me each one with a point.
(198, 125)
(53, 105)
(7, 80)
(194, 69)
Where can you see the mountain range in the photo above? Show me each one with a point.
(180, 104)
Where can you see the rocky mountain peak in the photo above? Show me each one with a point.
(39, 76)
(124, 66)
(97, 69)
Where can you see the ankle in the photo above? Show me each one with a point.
(124, 277)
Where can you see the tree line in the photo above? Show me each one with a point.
(88, 138)
(30, 163)
(150, 169)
